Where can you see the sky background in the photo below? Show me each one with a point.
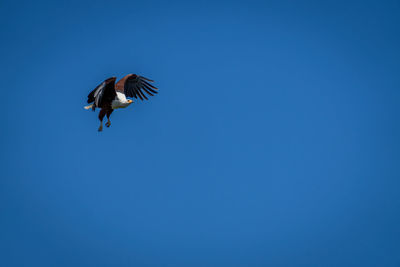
(274, 140)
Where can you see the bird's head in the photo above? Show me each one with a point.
(129, 101)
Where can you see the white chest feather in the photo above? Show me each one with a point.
(120, 101)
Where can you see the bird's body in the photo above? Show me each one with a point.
(110, 95)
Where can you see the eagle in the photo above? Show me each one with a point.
(110, 95)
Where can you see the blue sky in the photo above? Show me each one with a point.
(274, 140)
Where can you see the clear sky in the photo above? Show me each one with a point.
(274, 140)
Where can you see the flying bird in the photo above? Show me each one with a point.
(110, 95)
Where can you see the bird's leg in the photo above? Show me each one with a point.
(102, 113)
(108, 123)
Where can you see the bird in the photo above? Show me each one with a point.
(109, 95)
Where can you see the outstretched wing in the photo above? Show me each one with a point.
(103, 93)
(133, 85)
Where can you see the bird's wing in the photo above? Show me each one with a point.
(133, 85)
(104, 92)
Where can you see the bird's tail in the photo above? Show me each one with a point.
(88, 107)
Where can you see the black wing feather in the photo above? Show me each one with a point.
(104, 93)
(136, 86)
(150, 85)
(137, 91)
(147, 79)
(147, 91)
(151, 90)
(95, 93)
(143, 94)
